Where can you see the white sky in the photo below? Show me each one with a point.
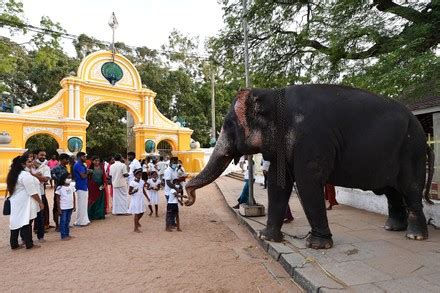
(141, 23)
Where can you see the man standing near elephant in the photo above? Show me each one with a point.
(244, 196)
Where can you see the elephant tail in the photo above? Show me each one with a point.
(430, 154)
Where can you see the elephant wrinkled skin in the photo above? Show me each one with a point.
(331, 134)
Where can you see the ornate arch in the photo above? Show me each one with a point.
(54, 132)
(90, 70)
(132, 106)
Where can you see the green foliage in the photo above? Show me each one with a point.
(385, 46)
(44, 142)
(106, 134)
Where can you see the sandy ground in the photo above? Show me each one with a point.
(212, 254)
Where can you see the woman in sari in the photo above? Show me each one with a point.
(96, 207)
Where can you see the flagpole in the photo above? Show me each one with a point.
(251, 199)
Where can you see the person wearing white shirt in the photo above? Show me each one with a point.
(153, 186)
(172, 217)
(22, 190)
(65, 199)
(118, 173)
(134, 165)
(42, 174)
(169, 175)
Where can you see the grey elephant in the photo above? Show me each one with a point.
(318, 134)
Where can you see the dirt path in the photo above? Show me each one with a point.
(212, 254)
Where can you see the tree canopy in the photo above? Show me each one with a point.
(385, 46)
(388, 47)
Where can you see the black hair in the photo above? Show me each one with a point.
(131, 154)
(63, 178)
(64, 156)
(37, 151)
(16, 168)
(174, 160)
(117, 157)
(80, 154)
(94, 157)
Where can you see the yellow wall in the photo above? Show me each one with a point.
(64, 116)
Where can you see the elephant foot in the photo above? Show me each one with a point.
(393, 224)
(271, 235)
(417, 227)
(317, 242)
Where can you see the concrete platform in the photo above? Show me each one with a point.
(365, 257)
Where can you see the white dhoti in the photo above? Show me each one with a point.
(82, 217)
(120, 200)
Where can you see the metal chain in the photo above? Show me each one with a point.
(280, 98)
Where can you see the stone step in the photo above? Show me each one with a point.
(236, 175)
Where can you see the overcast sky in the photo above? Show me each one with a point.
(141, 22)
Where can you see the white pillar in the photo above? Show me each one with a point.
(71, 102)
(150, 111)
(146, 108)
(77, 105)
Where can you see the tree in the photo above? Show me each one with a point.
(300, 41)
(107, 133)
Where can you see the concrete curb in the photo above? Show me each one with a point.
(302, 270)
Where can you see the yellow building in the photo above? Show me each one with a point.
(64, 116)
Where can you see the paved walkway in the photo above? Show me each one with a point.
(365, 257)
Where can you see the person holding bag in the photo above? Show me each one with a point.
(22, 189)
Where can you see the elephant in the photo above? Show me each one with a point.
(321, 133)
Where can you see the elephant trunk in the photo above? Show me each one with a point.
(218, 162)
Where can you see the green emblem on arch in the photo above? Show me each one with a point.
(150, 146)
(74, 144)
(112, 72)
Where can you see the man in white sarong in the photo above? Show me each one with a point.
(119, 174)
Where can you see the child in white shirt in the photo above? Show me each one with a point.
(173, 207)
(137, 192)
(153, 186)
(65, 201)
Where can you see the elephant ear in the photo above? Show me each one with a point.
(262, 104)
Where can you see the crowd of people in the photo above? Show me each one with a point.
(90, 186)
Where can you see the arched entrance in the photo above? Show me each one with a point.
(64, 116)
(164, 148)
(42, 142)
(107, 131)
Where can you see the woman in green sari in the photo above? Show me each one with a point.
(96, 180)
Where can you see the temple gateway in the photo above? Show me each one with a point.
(101, 78)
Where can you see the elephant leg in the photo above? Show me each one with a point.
(397, 212)
(312, 199)
(313, 164)
(417, 228)
(278, 201)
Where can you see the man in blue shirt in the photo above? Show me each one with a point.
(80, 173)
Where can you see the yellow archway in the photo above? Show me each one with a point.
(64, 116)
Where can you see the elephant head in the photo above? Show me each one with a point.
(244, 132)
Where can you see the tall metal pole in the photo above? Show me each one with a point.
(213, 103)
(251, 200)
